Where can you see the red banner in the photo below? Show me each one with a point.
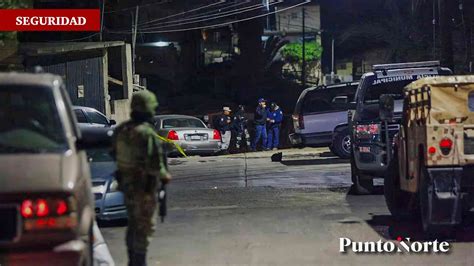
(49, 20)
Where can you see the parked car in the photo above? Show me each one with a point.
(190, 133)
(90, 117)
(109, 201)
(318, 114)
(46, 203)
(372, 139)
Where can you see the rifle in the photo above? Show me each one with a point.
(162, 201)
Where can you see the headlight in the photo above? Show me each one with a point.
(113, 187)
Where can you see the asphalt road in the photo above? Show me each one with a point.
(248, 210)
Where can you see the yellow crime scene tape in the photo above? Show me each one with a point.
(172, 142)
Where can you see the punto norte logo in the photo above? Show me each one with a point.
(402, 245)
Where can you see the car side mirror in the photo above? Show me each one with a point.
(386, 107)
(112, 122)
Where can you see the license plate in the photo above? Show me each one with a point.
(364, 149)
(195, 137)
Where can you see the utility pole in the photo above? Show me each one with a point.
(102, 19)
(303, 65)
(134, 39)
(445, 8)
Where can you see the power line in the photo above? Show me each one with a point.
(227, 14)
(141, 6)
(218, 24)
(182, 13)
(209, 18)
(214, 13)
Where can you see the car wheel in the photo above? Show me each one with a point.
(361, 184)
(88, 259)
(341, 145)
(398, 201)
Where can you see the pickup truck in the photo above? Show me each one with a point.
(46, 203)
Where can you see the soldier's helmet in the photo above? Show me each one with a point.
(144, 102)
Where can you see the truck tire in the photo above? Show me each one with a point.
(398, 201)
(341, 145)
(361, 184)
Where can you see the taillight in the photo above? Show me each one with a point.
(432, 150)
(446, 145)
(216, 135)
(27, 209)
(172, 135)
(43, 208)
(61, 207)
(366, 131)
(48, 214)
(298, 121)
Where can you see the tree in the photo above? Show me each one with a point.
(397, 31)
(12, 4)
(292, 54)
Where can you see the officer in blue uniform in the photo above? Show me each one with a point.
(260, 124)
(275, 117)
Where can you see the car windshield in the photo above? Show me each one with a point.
(29, 121)
(383, 86)
(183, 122)
(99, 155)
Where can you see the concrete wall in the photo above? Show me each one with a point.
(122, 110)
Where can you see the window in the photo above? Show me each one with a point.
(30, 121)
(80, 116)
(471, 101)
(316, 102)
(96, 118)
(183, 122)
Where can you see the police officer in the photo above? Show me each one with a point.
(141, 165)
(275, 118)
(224, 125)
(241, 130)
(260, 124)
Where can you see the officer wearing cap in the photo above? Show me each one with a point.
(141, 165)
(261, 115)
(224, 126)
(275, 117)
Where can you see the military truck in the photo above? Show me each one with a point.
(432, 169)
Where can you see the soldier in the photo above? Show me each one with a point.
(140, 163)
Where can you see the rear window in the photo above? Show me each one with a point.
(328, 100)
(97, 118)
(81, 117)
(182, 123)
(471, 101)
(389, 85)
(30, 121)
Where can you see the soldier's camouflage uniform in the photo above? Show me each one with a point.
(140, 163)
